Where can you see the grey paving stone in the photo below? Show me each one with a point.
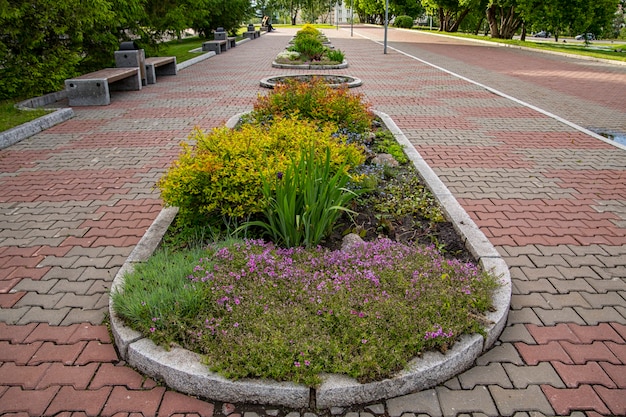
(466, 401)
(605, 285)
(541, 374)
(504, 353)
(12, 315)
(54, 317)
(540, 286)
(564, 286)
(604, 315)
(516, 333)
(491, 374)
(37, 286)
(572, 299)
(47, 301)
(578, 272)
(552, 317)
(376, 408)
(85, 302)
(524, 315)
(79, 315)
(520, 301)
(423, 402)
(536, 273)
(510, 401)
(601, 300)
(76, 287)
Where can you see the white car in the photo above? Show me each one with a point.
(589, 36)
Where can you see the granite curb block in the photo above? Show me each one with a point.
(343, 65)
(26, 130)
(182, 370)
(269, 83)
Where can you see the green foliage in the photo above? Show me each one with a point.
(404, 196)
(315, 101)
(305, 201)
(335, 55)
(310, 46)
(43, 42)
(257, 311)
(222, 175)
(386, 143)
(403, 22)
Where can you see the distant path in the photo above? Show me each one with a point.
(589, 93)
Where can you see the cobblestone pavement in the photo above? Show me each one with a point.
(76, 198)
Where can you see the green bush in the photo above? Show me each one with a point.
(222, 175)
(315, 100)
(310, 46)
(403, 22)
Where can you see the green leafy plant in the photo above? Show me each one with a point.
(403, 22)
(310, 46)
(386, 143)
(335, 55)
(305, 201)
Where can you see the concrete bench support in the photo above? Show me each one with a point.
(94, 89)
(131, 59)
(252, 34)
(163, 65)
(232, 41)
(215, 46)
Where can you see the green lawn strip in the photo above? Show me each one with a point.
(11, 116)
(608, 51)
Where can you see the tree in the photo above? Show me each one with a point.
(503, 18)
(44, 42)
(451, 13)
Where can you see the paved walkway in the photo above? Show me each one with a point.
(75, 199)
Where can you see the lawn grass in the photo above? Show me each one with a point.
(595, 49)
(11, 116)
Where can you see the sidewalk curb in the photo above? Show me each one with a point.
(26, 130)
(182, 370)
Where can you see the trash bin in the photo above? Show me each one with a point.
(219, 34)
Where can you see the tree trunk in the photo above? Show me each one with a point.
(523, 36)
(442, 18)
(459, 19)
(493, 21)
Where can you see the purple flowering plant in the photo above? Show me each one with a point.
(261, 311)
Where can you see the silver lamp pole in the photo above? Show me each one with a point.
(386, 23)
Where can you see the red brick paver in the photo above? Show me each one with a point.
(76, 198)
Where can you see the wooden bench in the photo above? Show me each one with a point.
(215, 46)
(160, 65)
(94, 89)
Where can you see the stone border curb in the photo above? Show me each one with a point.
(182, 370)
(268, 83)
(343, 65)
(26, 130)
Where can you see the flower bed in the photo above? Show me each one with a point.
(310, 50)
(258, 311)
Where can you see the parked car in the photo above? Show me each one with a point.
(589, 36)
(542, 34)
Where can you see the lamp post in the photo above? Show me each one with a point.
(351, 20)
(386, 23)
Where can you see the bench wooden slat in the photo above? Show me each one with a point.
(157, 61)
(109, 74)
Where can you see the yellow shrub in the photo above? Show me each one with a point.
(222, 174)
